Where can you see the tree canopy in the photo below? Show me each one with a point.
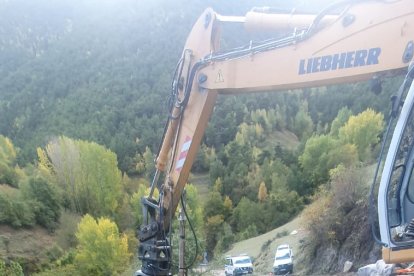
(101, 250)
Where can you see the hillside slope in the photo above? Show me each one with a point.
(326, 261)
(35, 247)
(337, 236)
(262, 248)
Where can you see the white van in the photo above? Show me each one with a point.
(238, 265)
(283, 263)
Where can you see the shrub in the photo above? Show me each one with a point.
(46, 202)
(326, 217)
(265, 245)
(54, 253)
(249, 232)
(11, 268)
(282, 234)
(8, 175)
(14, 211)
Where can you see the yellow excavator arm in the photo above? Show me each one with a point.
(348, 42)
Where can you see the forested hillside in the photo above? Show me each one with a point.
(95, 70)
(83, 100)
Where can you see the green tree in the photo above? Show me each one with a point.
(228, 207)
(323, 153)
(194, 208)
(340, 120)
(363, 131)
(201, 161)
(8, 155)
(247, 233)
(218, 185)
(149, 162)
(280, 117)
(15, 210)
(302, 124)
(101, 249)
(248, 213)
(280, 207)
(135, 202)
(7, 150)
(45, 200)
(217, 169)
(213, 206)
(226, 239)
(87, 173)
(145, 163)
(213, 228)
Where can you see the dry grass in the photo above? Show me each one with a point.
(7, 189)
(29, 247)
(35, 246)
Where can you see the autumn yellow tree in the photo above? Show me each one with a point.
(262, 195)
(218, 185)
(228, 206)
(363, 131)
(101, 249)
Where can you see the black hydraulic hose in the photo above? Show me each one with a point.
(183, 103)
(190, 81)
(170, 260)
(178, 68)
(194, 235)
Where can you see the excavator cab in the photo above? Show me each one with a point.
(396, 191)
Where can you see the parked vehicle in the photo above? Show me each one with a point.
(283, 263)
(238, 265)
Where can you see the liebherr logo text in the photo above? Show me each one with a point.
(339, 61)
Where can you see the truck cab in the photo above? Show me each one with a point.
(238, 265)
(283, 263)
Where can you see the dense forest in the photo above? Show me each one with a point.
(83, 103)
